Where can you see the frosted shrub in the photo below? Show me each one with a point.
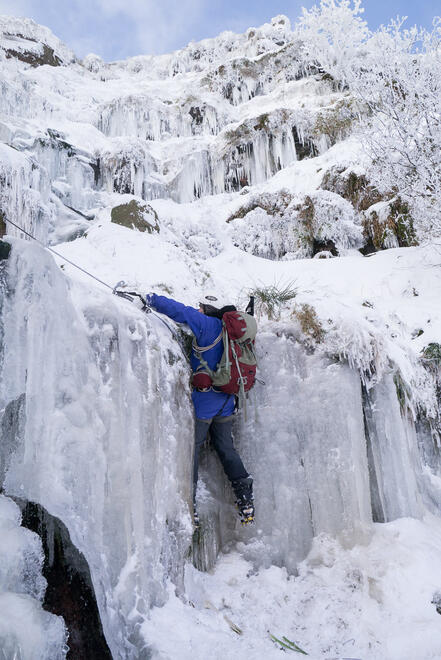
(432, 355)
(333, 35)
(395, 75)
(333, 219)
(268, 236)
(270, 299)
(283, 227)
(93, 63)
(309, 322)
(388, 224)
(260, 226)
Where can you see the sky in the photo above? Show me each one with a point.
(116, 29)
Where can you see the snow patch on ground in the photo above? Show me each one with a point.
(372, 601)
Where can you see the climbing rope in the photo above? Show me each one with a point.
(59, 255)
(123, 294)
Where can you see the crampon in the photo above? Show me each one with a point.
(246, 513)
(196, 521)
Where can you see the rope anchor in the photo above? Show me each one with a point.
(130, 295)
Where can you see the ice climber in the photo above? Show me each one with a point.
(214, 409)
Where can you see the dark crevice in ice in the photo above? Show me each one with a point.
(378, 514)
(70, 591)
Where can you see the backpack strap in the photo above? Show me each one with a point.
(203, 364)
(241, 396)
(202, 349)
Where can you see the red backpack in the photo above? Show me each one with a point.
(236, 370)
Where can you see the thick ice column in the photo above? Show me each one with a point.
(103, 440)
(69, 172)
(430, 454)
(304, 444)
(255, 161)
(24, 192)
(195, 178)
(149, 118)
(394, 458)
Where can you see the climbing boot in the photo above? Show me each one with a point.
(243, 489)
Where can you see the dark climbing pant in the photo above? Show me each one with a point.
(220, 430)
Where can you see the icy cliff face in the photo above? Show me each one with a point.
(83, 431)
(217, 116)
(249, 168)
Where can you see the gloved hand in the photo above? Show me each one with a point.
(138, 302)
(149, 299)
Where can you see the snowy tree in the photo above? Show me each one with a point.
(334, 36)
(395, 75)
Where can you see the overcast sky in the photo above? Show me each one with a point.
(115, 29)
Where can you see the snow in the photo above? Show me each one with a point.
(369, 601)
(94, 396)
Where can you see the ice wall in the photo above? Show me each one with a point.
(156, 112)
(327, 456)
(393, 451)
(24, 192)
(304, 444)
(194, 168)
(153, 119)
(94, 403)
(180, 126)
(43, 192)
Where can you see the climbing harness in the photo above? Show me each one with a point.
(128, 295)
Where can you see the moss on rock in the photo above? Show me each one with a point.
(403, 222)
(336, 121)
(136, 215)
(355, 188)
(386, 225)
(5, 249)
(432, 353)
(392, 227)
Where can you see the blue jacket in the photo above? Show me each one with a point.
(205, 329)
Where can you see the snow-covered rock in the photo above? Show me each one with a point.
(24, 40)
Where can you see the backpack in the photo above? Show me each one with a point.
(236, 370)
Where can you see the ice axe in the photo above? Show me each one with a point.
(129, 295)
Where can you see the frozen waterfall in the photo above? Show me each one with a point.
(101, 435)
(95, 403)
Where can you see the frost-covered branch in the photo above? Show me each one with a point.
(396, 74)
